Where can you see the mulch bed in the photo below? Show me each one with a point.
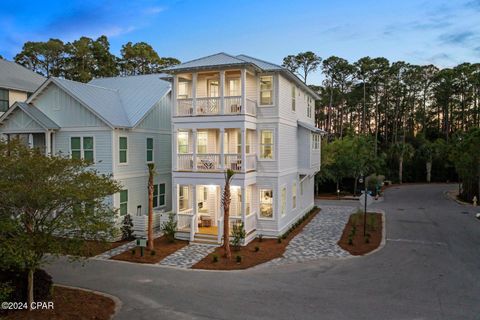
(70, 304)
(162, 248)
(358, 245)
(93, 248)
(269, 249)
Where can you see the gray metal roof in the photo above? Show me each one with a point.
(41, 118)
(16, 77)
(264, 65)
(310, 127)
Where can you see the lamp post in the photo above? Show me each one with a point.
(363, 179)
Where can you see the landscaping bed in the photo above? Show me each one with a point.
(93, 248)
(354, 241)
(70, 304)
(163, 247)
(256, 252)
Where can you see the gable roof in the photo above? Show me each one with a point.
(16, 77)
(120, 102)
(223, 59)
(36, 114)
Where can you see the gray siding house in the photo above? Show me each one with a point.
(121, 124)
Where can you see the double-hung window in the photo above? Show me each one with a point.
(266, 90)
(202, 138)
(149, 149)
(82, 148)
(266, 144)
(234, 87)
(159, 195)
(183, 193)
(315, 141)
(293, 98)
(123, 202)
(4, 100)
(266, 203)
(182, 140)
(123, 150)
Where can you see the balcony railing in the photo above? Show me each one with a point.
(232, 105)
(208, 162)
(212, 162)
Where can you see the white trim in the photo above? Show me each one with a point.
(259, 144)
(259, 190)
(146, 149)
(118, 149)
(274, 93)
(82, 155)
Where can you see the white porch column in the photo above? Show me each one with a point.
(243, 79)
(222, 149)
(244, 149)
(175, 149)
(48, 142)
(194, 93)
(175, 203)
(244, 205)
(222, 92)
(194, 151)
(174, 95)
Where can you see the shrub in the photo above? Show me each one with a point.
(18, 280)
(260, 237)
(5, 291)
(133, 252)
(350, 240)
(127, 228)
(215, 258)
(367, 239)
(279, 239)
(257, 248)
(153, 252)
(170, 227)
(238, 258)
(238, 233)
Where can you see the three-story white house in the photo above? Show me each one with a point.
(251, 116)
(121, 124)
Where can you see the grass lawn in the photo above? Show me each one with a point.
(162, 248)
(268, 249)
(354, 241)
(70, 304)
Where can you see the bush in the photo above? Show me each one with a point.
(18, 282)
(215, 258)
(260, 238)
(153, 252)
(238, 259)
(350, 240)
(133, 252)
(257, 248)
(279, 239)
(170, 227)
(127, 228)
(5, 291)
(238, 233)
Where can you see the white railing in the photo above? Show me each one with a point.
(251, 107)
(251, 162)
(194, 227)
(208, 106)
(185, 107)
(233, 105)
(184, 219)
(251, 222)
(220, 229)
(185, 161)
(233, 162)
(140, 223)
(208, 162)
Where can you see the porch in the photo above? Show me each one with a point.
(211, 150)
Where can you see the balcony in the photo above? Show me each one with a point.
(212, 162)
(231, 92)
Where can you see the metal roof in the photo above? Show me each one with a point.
(309, 127)
(16, 77)
(38, 116)
(265, 65)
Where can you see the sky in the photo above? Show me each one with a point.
(443, 33)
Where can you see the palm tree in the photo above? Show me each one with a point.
(226, 198)
(151, 173)
(402, 151)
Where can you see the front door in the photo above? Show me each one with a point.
(207, 209)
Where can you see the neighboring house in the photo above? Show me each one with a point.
(16, 83)
(121, 124)
(251, 116)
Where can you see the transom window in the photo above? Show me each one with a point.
(266, 144)
(123, 202)
(266, 203)
(82, 148)
(266, 90)
(4, 100)
(182, 140)
(123, 150)
(149, 149)
(159, 195)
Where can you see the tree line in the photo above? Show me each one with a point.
(87, 58)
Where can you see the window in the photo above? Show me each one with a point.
(183, 198)
(315, 141)
(123, 149)
(82, 148)
(301, 188)
(4, 100)
(309, 107)
(213, 88)
(159, 195)
(234, 87)
(183, 89)
(149, 149)
(283, 201)
(266, 144)
(239, 141)
(202, 138)
(293, 98)
(123, 202)
(266, 203)
(182, 142)
(294, 195)
(266, 90)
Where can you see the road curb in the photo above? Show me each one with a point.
(116, 300)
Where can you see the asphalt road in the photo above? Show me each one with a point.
(428, 269)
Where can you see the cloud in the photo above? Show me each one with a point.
(457, 38)
(473, 4)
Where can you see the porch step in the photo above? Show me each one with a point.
(181, 235)
(205, 239)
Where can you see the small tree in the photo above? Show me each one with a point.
(238, 234)
(44, 200)
(226, 198)
(151, 174)
(127, 228)
(170, 227)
